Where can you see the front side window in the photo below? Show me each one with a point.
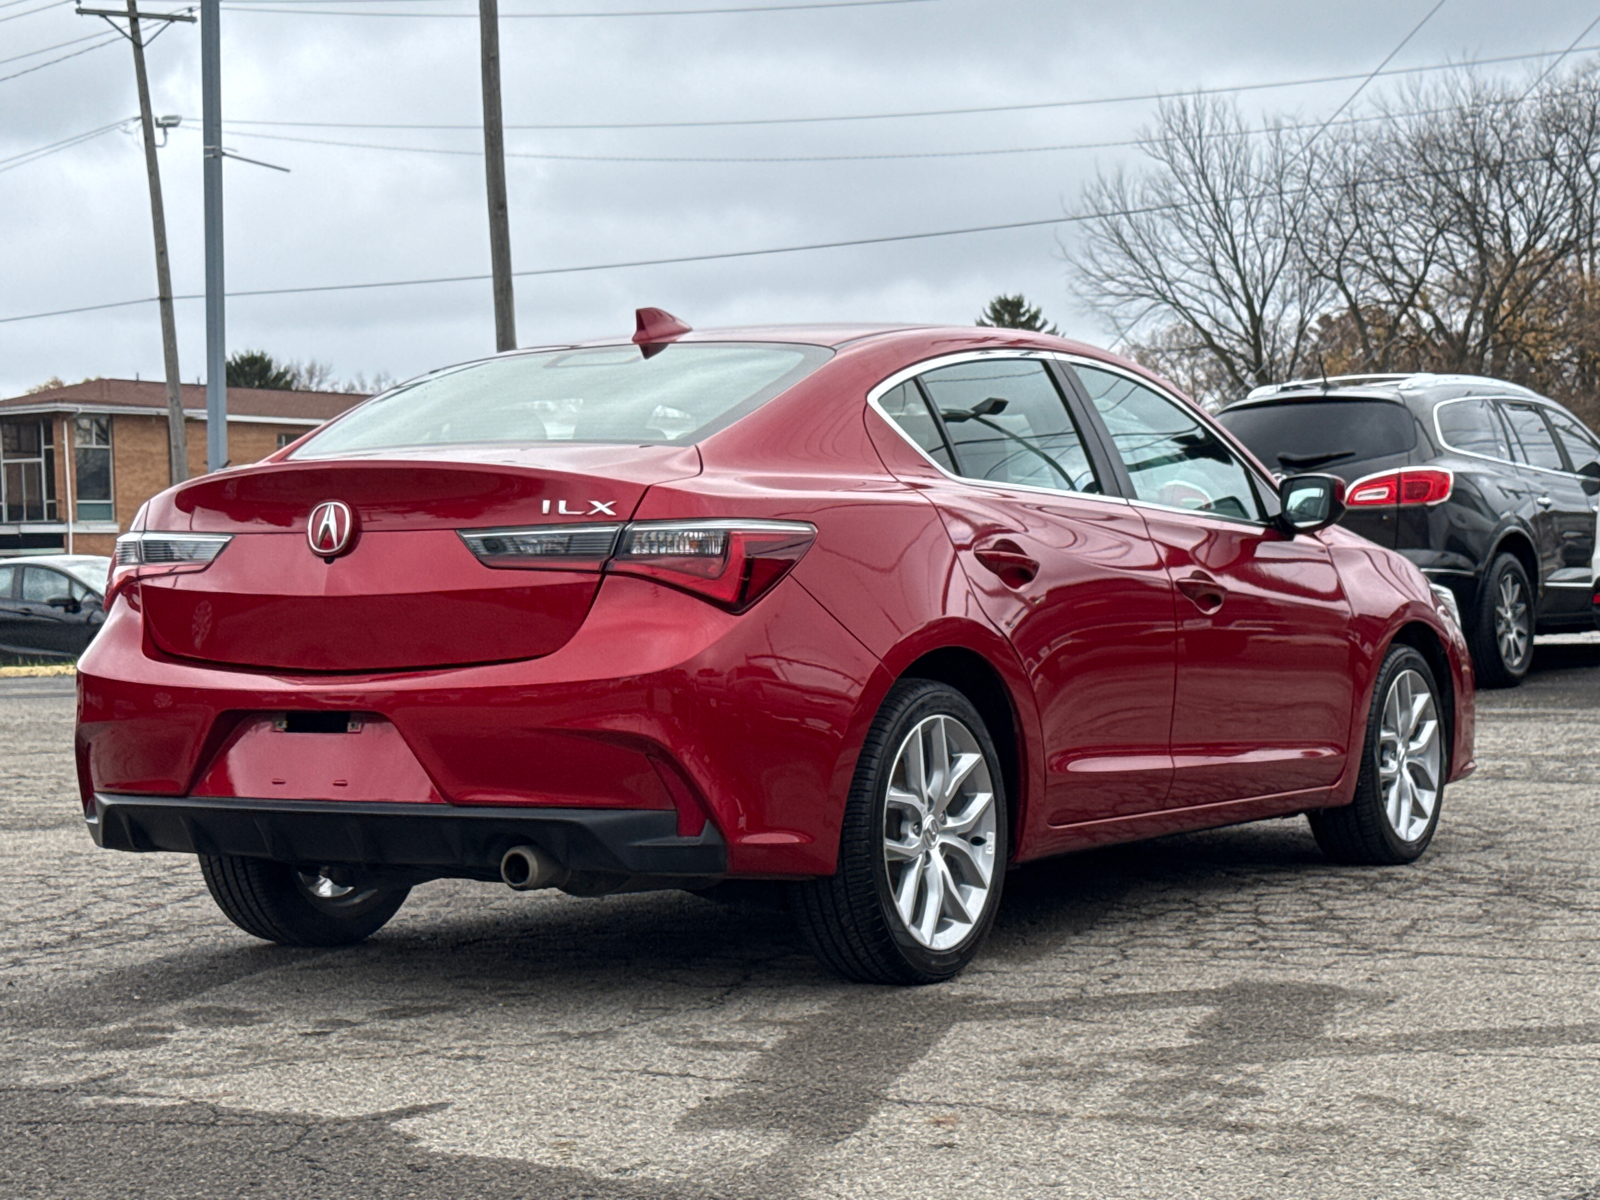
(1007, 423)
(674, 394)
(27, 471)
(1581, 445)
(1533, 437)
(1171, 456)
(91, 462)
(1471, 426)
(7, 578)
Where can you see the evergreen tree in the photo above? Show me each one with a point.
(258, 369)
(1014, 312)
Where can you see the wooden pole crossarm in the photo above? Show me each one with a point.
(143, 16)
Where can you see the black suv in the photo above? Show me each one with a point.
(1489, 488)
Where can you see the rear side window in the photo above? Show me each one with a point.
(1008, 423)
(1533, 437)
(1471, 426)
(7, 574)
(1580, 443)
(906, 408)
(677, 394)
(1313, 435)
(40, 585)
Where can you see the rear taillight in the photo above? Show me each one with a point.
(141, 555)
(731, 563)
(570, 547)
(1423, 485)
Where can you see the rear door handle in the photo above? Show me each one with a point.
(1205, 591)
(1544, 502)
(1007, 560)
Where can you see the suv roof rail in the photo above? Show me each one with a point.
(1320, 381)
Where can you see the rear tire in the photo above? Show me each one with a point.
(1404, 763)
(1500, 633)
(280, 903)
(922, 855)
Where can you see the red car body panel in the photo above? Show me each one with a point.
(1132, 712)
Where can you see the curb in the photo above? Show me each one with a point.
(33, 672)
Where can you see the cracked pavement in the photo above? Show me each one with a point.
(1211, 1015)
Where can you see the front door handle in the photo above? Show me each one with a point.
(1544, 502)
(1008, 561)
(1205, 591)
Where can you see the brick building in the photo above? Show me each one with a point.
(113, 432)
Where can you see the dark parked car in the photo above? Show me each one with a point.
(1489, 488)
(51, 604)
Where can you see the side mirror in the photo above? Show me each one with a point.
(1591, 478)
(1310, 503)
(64, 603)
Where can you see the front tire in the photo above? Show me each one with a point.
(922, 855)
(1404, 763)
(1500, 633)
(280, 903)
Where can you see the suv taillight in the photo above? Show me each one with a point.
(141, 555)
(732, 563)
(1418, 485)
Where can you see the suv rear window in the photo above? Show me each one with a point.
(1310, 435)
(676, 395)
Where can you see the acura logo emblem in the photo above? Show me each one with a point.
(330, 528)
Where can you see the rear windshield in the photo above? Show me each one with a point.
(676, 395)
(1309, 435)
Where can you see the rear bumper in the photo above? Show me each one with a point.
(608, 847)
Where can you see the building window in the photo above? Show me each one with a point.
(91, 453)
(285, 438)
(27, 471)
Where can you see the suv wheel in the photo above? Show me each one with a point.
(1501, 629)
(922, 855)
(281, 903)
(1403, 768)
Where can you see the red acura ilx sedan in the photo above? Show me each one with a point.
(876, 612)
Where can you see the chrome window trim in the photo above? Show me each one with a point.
(876, 393)
(1270, 485)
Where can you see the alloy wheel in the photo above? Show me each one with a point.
(939, 826)
(1410, 755)
(321, 887)
(1513, 623)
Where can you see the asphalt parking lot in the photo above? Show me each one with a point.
(1214, 1015)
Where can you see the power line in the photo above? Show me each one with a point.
(1542, 74)
(1125, 143)
(47, 49)
(38, 152)
(1065, 219)
(549, 16)
(31, 11)
(1388, 58)
(945, 112)
(52, 62)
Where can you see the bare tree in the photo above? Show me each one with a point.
(1203, 240)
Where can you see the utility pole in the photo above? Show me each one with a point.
(494, 165)
(211, 139)
(177, 437)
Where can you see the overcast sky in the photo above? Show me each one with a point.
(76, 227)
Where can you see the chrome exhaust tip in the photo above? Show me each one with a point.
(528, 868)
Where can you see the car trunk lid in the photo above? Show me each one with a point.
(407, 593)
